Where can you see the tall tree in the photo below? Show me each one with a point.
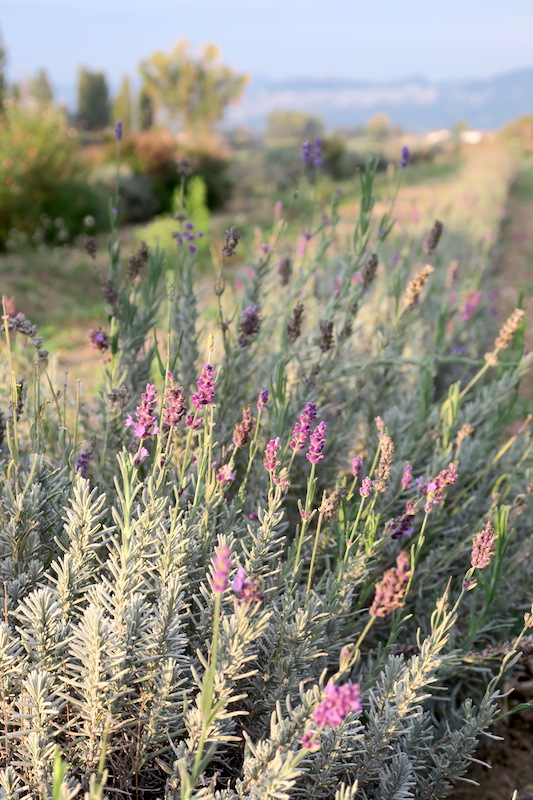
(193, 91)
(122, 104)
(93, 100)
(41, 89)
(145, 109)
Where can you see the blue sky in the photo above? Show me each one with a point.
(376, 39)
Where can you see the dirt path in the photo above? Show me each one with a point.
(511, 760)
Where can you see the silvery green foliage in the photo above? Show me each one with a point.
(123, 671)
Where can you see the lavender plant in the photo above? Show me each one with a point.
(252, 587)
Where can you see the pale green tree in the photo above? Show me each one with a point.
(193, 91)
(41, 89)
(122, 104)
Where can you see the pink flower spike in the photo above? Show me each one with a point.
(221, 565)
(143, 453)
(225, 474)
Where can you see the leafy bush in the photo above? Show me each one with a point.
(42, 173)
(154, 153)
(193, 608)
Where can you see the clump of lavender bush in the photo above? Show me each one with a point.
(247, 584)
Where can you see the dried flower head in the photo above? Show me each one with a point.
(369, 270)
(91, 247)
(434, 237)
(285, 270)
(385, 463)
(294, 326)
(482, 543)
(331, 504)
(390, 590)
(326, 339)
(505, 336)
(119, 396)
(98, 339)
(184, 168)
(463, 433)
(250, 325)
(138, 260)
(243, 431)
(173, 403)
(232, 237)
(415, 286)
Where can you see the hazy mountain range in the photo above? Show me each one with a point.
(415, 103)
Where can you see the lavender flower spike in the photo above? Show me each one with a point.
(318, 440)
(482, 543)
(407, 476)
(118, 130)
(206, 387)
(221, 565)
(146, 424)
(337, 704)
(405, 157)
(262, 400)
(366, 487)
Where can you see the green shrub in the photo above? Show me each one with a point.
(42, 173)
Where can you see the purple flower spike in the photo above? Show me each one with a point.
(357, 466)
(246, 589)
(405, 157)
(318, 441)
(225, 474)
(302, 428)
(145, 425)
(118, 130)
(270, 460)
(306, 153)
(206, 387)
(317, 160)
(262, 400)
(366, 487)
(407, 477)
